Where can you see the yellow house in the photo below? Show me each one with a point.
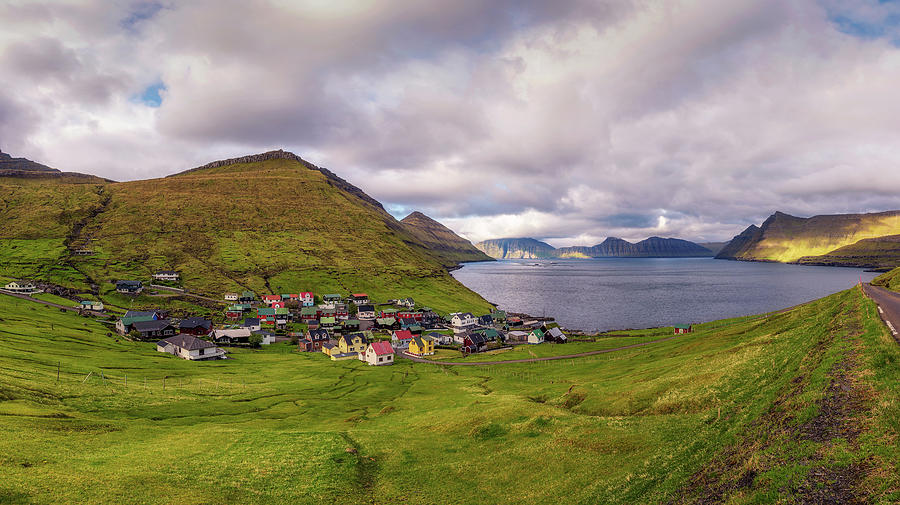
(352, 343)
(328, 349)
(421, 346)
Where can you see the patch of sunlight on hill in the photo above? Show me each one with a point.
(792, 249)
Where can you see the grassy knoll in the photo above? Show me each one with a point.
(737, 408)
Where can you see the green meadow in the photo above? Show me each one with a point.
(741, 412)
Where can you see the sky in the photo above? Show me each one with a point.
(567, 121)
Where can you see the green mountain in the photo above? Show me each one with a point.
(516, 248)
(450, 248)
(881, 253)
(612, 247)
(819, 240)
(268, 223)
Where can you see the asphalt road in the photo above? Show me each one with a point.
(888, 306)
(532, 360)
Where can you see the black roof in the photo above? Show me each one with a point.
(166, 272)
(320, 334)
(250, 321)
(366, 308)
(349, 338)
(157, 325)
(262, 332)
(129, 283)
(477, 338)
(195, 322)
(188, 342)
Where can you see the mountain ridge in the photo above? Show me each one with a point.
(449, 246)
(817, 239)
(611, 247)
(267, 223)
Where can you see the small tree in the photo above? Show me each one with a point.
(134, 335)
(255, 340)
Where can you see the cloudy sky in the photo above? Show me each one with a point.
(567, 121)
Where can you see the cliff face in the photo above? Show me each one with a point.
(612, 247)
(516, 248)
(442, 241)
(787, 238)
(653, 247)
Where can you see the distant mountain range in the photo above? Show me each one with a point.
(653, 247)
(857, 240)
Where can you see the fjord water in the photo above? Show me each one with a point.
(620, 293)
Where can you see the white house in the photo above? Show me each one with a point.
(463, 320)
(25, 288)
(190, 347)
(536, 337)
(378, 353)
(231, 297)
(306, 299)
(166, 275)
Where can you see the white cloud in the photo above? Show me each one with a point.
(570, 121)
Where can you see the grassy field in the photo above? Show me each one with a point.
(743, 408)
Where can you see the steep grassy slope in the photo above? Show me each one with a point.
(880, 253)
(890, 280)
(450, 248)
(273, 225)
(741, 411)
(787, 238)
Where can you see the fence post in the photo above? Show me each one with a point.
(57, 371)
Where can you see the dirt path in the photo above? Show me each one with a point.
(51, 304)
(532, 360)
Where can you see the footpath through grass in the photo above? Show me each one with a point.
(744, 409)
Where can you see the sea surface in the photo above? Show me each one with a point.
(621, 293)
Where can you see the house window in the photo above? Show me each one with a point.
(201, 351)
(380, 360)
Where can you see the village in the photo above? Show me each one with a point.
(342, 327)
